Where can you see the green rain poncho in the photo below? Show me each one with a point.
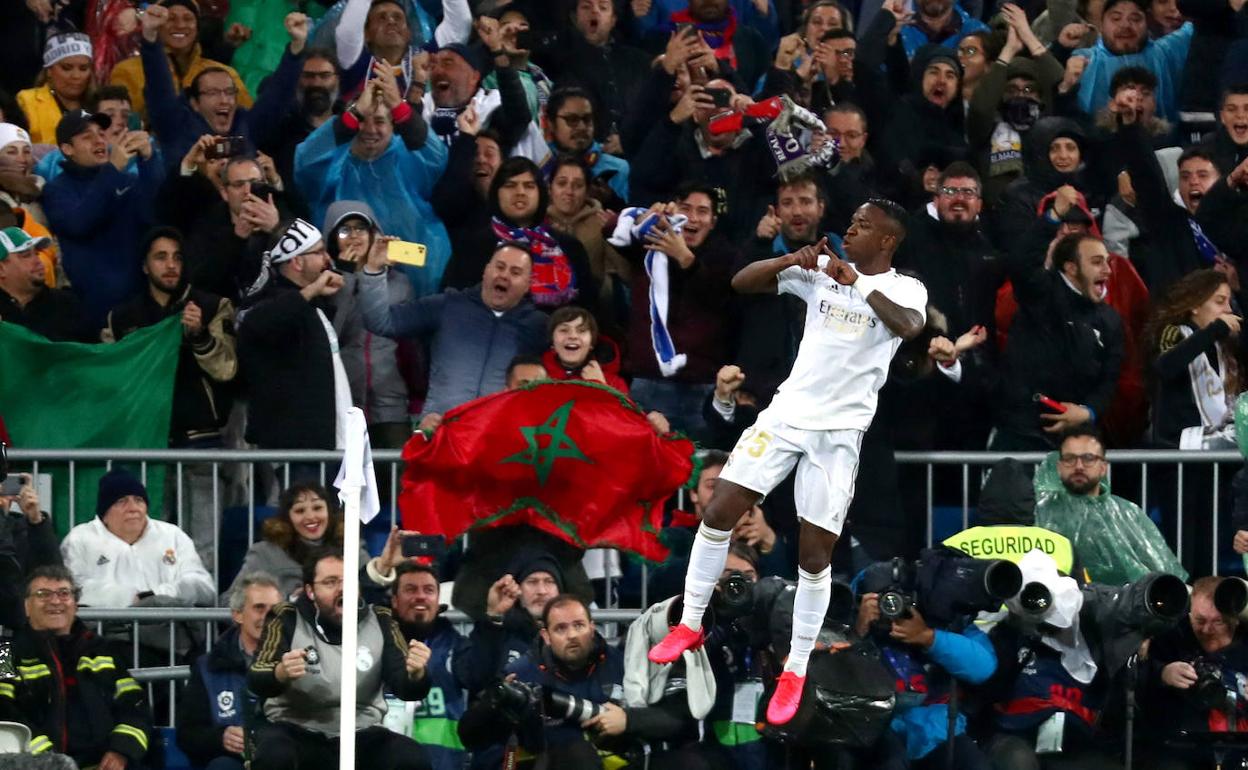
(1114, 541)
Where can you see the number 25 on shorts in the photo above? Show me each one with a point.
(755, 442)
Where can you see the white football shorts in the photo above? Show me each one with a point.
(826, 460)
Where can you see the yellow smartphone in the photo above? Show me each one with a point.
(406, 253)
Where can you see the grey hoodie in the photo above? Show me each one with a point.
(371, 361)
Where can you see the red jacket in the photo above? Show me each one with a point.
(606, 353)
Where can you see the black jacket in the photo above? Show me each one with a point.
(1017, 208)
(669, 155)
(612, 74)
(958, 266)
(1167, 252)
(1061, 343)
(201, 404)
(1172, 710)
(55, 313)
(77, 680)
(1174, 406)
(23, 547)
(285, 359)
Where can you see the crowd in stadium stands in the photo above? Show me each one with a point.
(405, 205)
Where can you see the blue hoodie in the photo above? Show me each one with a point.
(1164, 57)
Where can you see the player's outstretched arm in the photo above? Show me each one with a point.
(761, 277)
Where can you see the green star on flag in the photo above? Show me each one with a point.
(560, 445)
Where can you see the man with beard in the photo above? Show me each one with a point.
(1065, 342)
(216, 704)
(212, 104)
(25, 297)
(206, 362)
(219, 206)
(461, 196)
(1081, 507)
(951, 254)
(938, 22)
(572, 659)
(379, 151)
(570, 125)
(287, 348)
(1124, 42)
(768, 343)
(297, 672)
(452, 671)
(316, 103)
(455, 75)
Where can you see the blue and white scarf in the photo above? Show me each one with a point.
(633, 227)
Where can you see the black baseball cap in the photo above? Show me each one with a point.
(75, 122)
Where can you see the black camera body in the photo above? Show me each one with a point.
(1208, 690)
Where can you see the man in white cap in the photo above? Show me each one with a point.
(287, 349)
(26, 299)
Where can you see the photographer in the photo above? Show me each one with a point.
(530, 711)
(1191, 671)
(720, 683)
(1061, 650)
(927, 663)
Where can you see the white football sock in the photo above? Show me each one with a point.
(814, 591)
(706, 562)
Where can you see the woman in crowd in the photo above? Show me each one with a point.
(518, 201)
(1196, 355)
(66, 83)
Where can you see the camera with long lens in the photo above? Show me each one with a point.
(1035, 599)
(1208, 690)
(946, 586)
(735, 597)
(569, 708)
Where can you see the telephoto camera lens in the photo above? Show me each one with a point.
(569, 707)
(1036, 598)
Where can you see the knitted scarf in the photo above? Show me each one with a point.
(554, 281)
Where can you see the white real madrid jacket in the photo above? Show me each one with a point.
(111, 571)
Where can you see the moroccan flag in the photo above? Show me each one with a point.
(68, 395)
(575, 459)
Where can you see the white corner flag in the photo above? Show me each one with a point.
(355, 475)
(357, 490)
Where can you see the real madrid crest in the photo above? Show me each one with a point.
(170, 557)
(363, 659)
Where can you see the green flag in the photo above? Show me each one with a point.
(72, 395)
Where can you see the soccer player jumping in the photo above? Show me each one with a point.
(857, 314)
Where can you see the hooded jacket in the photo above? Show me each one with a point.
(911, 127)
(1165, 57)
(397, 185)
(1017, 208)
(372, 361)
(99, 216)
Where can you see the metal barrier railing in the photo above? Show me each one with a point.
(127, 622)
(249, 479)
